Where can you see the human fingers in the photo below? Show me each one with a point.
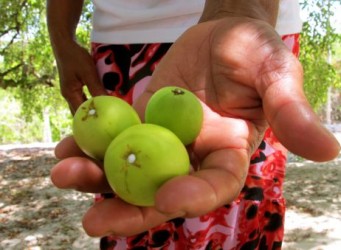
(218, 182)
(77, 70)
(81, 174)
(76, 96)
(67, 147)
(288, 112)
(72, 91)
(268, 67)
(116, 217)
(91, 79)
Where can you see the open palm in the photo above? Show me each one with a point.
(247, 80)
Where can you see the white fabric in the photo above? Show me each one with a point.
(153, 21)
(289, 19)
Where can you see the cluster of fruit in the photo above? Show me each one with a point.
(139, 157)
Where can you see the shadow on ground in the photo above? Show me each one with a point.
(36, 215)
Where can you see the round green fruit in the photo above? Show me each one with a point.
(141, 159)
(177, 109)
(99, 120)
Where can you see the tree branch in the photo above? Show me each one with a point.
(2, 74)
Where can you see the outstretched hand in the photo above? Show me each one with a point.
(247, 80)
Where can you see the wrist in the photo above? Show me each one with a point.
(61, 43)
(64, 48)
(265, 10)
(62, 20)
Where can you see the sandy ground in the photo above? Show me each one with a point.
(313, 194)
(35, 215)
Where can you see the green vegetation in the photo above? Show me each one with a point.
(32, 107)
(319, 42)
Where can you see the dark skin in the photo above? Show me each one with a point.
(247, 81)
(244, 88)
(75, 65)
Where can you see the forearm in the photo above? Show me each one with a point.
(266, 10)
(62, 20)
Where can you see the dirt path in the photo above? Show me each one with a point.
(32, 211)
(313, 194)
(35, 215)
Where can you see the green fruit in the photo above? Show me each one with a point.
(141, 159)
(177, 109)
(99, 120)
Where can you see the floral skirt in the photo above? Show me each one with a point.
(255, 220)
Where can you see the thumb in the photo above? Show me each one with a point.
(300, 130)
(293, 120)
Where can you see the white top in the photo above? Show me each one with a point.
(153, 21)
(289, 19)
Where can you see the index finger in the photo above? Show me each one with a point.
(217, 183)
(68, 147)
(186, 196)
